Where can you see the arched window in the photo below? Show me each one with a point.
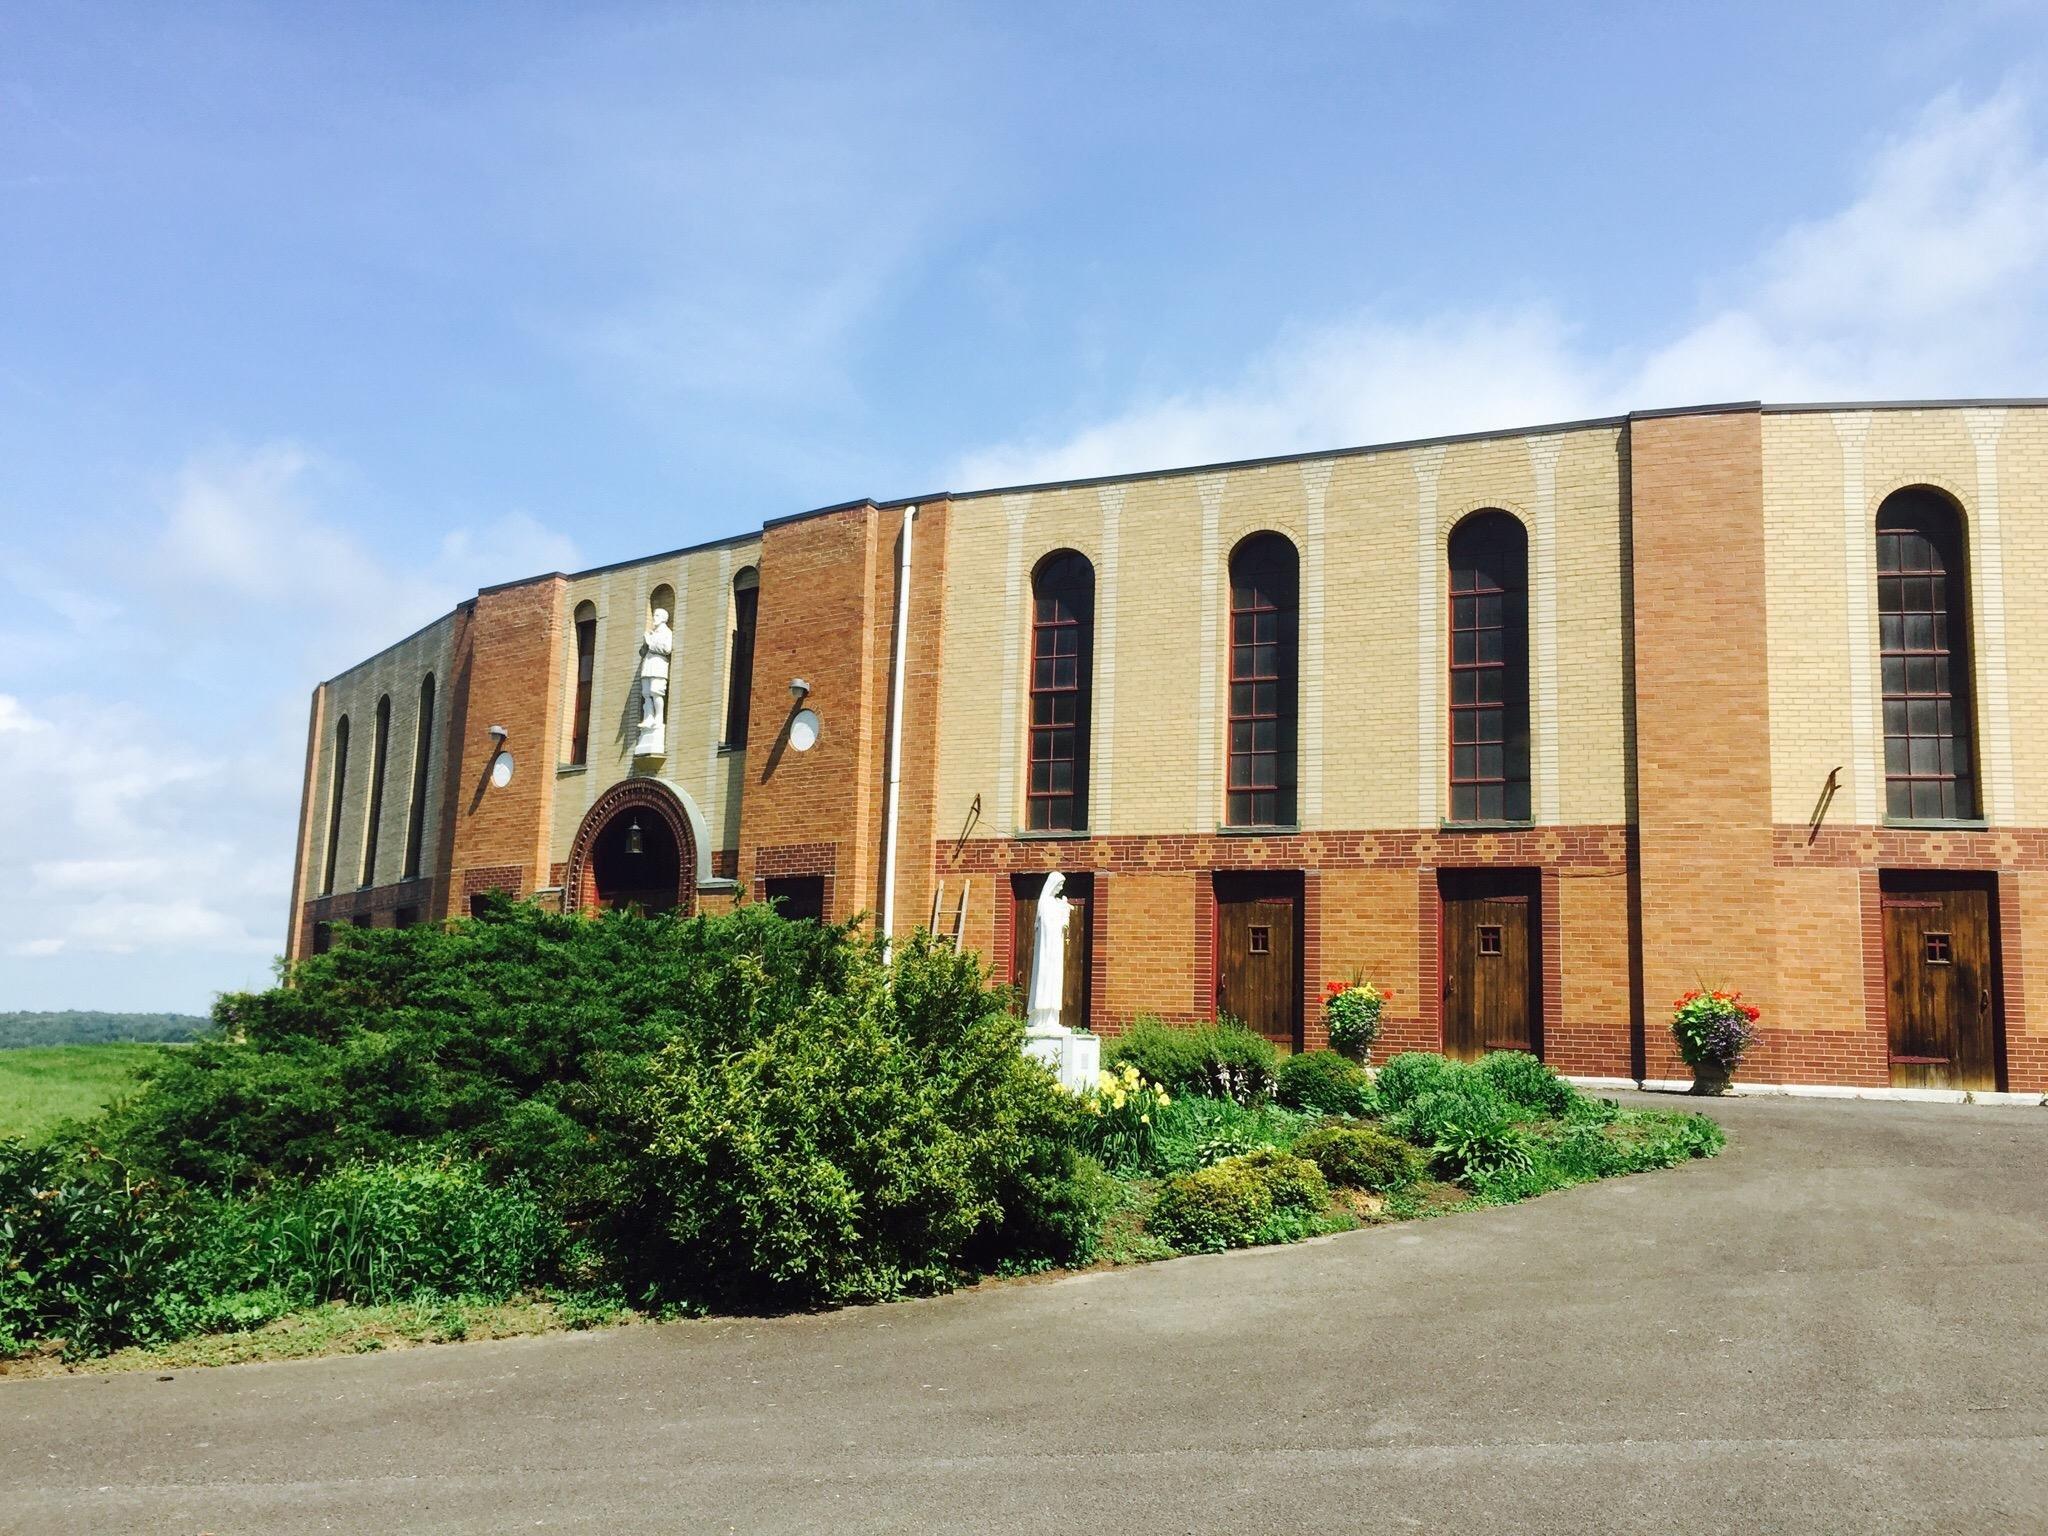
(337, 786)
(422, 762)
(586, 664)
(739, 671)
(1265, 631)
(1489, 560)
(1924, 645)
(1062, 672)
(379, 752)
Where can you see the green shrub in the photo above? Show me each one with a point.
(1474, 1151)
(1257, 1197)
(1324, 1082)
(1408, 1076)
(83, 1244)
(1194, 1132)
(1223, 1060)
(1361, 1157)
(1467, 1100)
(863, 1144)
(1527, 1083)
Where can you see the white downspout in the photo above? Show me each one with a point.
(895, 773)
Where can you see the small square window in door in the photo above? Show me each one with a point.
(1938, 951)
(1259, 941)
(1489, 938)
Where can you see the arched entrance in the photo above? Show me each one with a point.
(634, 849)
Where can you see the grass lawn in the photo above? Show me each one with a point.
(42, 1084)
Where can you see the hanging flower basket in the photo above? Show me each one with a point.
(1713, 1029)
(1354, 1008)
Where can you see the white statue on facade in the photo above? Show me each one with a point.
(655, 649)
(1072, 1055)
(1048, 957)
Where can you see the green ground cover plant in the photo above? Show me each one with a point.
(524, 1120)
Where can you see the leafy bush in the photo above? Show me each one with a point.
(1194, 1132)
(82, 1249)
(1361, 1157)
(1527, 1083)
(861, 1144)
(1465, 1100)
(1473, 1151)
(1354, 1008)
(1258, 1197)
(1325, 1082)
(1408, 1076)
(1224, 1060)
(1119, 1122)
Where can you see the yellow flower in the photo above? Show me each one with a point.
(1119, 1101)
(1163, 1099)
(1144, 1119)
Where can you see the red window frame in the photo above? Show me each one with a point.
(1489, 670)
(1265, 622)
(1924, 661)
(1062, 666)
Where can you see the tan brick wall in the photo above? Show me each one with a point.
(1371, 700)
(395, 673)
(694, 766)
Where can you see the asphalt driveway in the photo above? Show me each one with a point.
(1839, 1325)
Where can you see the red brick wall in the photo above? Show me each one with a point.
(1702, 716)
(504, 668)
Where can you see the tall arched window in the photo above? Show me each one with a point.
(337, 786)
(422, 762)
(1062, 675)
(1924, 645)
(380, 745)
(739, 671)
(1265, 642)
(1489, 560)
(586, 665)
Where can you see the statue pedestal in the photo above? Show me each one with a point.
(1075, 1059)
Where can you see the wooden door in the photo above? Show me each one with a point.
(1489, 964)
(1080, 890)
(1258, 955)
(1940, 975)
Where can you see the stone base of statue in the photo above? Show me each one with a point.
(1075, 1059)
(650, 743)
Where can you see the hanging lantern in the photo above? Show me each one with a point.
(633, 842)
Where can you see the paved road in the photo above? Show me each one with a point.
(1839, 1325)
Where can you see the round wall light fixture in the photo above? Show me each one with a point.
(501, 770)
(803, 730)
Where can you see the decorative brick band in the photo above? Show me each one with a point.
(1854, 847)
(1598, 846)
(795, 859)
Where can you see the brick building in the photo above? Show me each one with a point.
(1534, 728)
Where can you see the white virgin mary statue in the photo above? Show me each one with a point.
(1048, 958)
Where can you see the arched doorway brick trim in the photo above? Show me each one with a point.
(579, 882)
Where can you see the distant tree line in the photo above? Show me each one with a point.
(82, 1027)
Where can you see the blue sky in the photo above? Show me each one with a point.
(312, 321)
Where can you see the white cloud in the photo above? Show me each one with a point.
(14, 716)
(1932, 281)
(146, 818)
